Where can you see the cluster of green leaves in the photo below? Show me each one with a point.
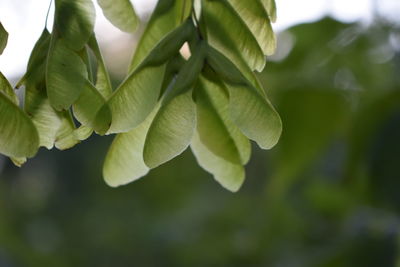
(211, 101)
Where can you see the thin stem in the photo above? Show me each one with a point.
(47, 15)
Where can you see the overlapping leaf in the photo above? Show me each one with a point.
(18, 135)
(74, 22)
(120, 13)
(236, 44)
(124, 161)
(167, 16)
(256, 19)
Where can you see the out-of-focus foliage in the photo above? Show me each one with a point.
(325, 196)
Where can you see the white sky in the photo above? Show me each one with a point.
(24, 20)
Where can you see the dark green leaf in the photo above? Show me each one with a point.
(66, 76)
(168, 15)
(74, 21)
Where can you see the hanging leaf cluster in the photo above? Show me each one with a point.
(209, 100)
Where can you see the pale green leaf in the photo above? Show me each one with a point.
(18, 135)
(46, 119)
(87, 107)
(66, 136)
(3, 38)
(231, 176)
(7, 90)
(215, 127)
(167, 16)
(18, 161)
(254, 115)
(120, 13)
(256, 19)
(171, 130)
(74, 22)
(66, 76)
(124, 161)
(238, 44)
(83, 132)
(132, 102)
(103, 83)
(270, 7)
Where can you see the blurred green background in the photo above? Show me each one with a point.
(327, 195)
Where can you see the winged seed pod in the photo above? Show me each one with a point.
(211, 101)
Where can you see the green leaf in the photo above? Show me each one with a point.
(256, 19)
(232, 74)
(231, 176)
(168, 47)
(18, 136)
(67, 136)
(254, 115)
(3, 38)
(238, 44)
(214, 126)
(103, 83)
(87, 106)
(270, 7)
(74, 21)
(36, 68)
(167, 16)
(171, 130)
(66, 76)
(46, 119)
(137, 96)
(120, 13)
(189, 72)
(124, 161)
(7, 90)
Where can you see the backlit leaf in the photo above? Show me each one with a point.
(120, 13)
(256, 19)
(132, 102)
(254, 115)
(228, 174)
(214, 125)
(74, 21)
(167, 16)
(236, 44)
(87, 106)
(18, 135)
(171, 130)
(66, 76)
(7, 90)
(124, 161)
(270, 7)
(103, 83)
(66, 136)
